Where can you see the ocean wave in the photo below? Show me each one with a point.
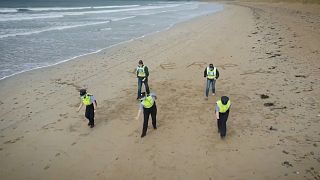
(8, 10)
(124, 18)
(14, 10)
(9, 17)
(51, 29)
(5, 18)
(81, 55)
(19, 59)
(63, 27)
(105, 29)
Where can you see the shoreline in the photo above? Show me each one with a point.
(108, 47)
(259, 49)
(87, 54)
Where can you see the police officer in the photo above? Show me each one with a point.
(142, 75)
(222, 113)
(148, 105)
(91, 105)
(212, 75)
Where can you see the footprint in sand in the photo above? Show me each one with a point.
(64, 115)
(151, 157)
(14, 140)
(73, 105)
(134, 133)
(48, 126)
(84, 134)
(46, 167)
(72, 128)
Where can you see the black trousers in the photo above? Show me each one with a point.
(222, 123)
(90, 114)
(146, 114)
(145, 82)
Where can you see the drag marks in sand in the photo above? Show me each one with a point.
(168, 66)
(62, 83)
(199, 64)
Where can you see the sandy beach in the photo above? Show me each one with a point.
(268, 57)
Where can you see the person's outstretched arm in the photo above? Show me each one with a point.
(80, 106)
(138, 115)
(217, 112)
(95, 106)
(217, 74)
(139, 111)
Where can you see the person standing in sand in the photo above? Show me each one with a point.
(222, 113)
(142, 75)
(212, 75)
(148, 105)
(91, 106)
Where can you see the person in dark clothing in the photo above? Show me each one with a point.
(91, 105)
(142, 75)
(222, 113)
(212, 75)
(149, 107)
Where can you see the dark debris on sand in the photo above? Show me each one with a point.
(268, 104)
(287, 164)
(264, 96)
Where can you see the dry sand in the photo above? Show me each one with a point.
(270, 49)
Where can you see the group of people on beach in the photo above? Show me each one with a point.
(148, 104)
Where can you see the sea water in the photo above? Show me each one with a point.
(41, 33)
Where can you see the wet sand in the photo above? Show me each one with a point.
(268, 58)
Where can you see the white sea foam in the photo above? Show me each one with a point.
(106, 29)
(8, 10)
(110, 7)
(80, 8)
(12, 10)
(63, 27)
(20, 17)
(123, 18)
(27, 16)
(51, 29)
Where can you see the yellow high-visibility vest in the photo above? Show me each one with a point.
(211, 74)
(223, 108)
(141, 72)
(148, 102)
(86, 99)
